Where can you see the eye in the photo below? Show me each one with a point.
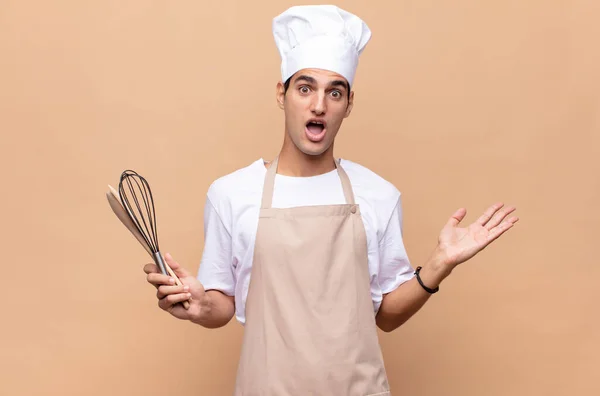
(304, 89)
(336, 94)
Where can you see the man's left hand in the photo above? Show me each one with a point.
(457, 245)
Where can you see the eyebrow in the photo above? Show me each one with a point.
(338, 83)
(311, 80)
(308, 79)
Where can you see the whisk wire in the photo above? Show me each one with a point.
(142, 217)
(147, 227)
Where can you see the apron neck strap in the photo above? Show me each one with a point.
(348, 193)
(269, 186)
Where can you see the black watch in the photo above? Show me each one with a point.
(427, 289)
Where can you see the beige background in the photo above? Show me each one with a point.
(458, 103)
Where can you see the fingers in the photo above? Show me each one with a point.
(178, 269)
(502, 228)
(150, 268)
(157, 279)
(457, 217)
(163, 291)
(169, 291)
(172, 299)
(487, 215)
(498, 217)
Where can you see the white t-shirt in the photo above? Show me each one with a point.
(231, 220)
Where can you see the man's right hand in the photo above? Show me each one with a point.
(209, 309)
(170, 295)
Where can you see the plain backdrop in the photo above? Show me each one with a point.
(458, 103)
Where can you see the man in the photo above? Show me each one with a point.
(306, 250)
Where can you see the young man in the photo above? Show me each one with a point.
(306, 250)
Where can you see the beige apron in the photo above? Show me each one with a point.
(310, 326)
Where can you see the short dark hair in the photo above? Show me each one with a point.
(286, 86)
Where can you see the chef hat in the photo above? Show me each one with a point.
(320, 37)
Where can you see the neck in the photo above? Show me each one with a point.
(293, 162)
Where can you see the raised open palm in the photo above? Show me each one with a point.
(459, 244)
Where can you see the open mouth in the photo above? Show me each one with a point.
(315, 130)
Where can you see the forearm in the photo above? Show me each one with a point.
(400, 305)
(216, 311)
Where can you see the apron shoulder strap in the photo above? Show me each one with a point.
(348, 193)
(267, 196)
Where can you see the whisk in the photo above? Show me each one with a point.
(134, 206)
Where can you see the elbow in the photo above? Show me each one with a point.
(388, 328)
(385, 325)
(389, 323)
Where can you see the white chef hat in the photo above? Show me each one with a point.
(321, 37)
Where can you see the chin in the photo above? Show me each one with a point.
(312, 149)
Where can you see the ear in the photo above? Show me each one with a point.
(350, 104)
(280, 94)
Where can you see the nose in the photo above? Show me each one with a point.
(319, 105)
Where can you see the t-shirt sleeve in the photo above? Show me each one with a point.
(394, 266)
(216, 270)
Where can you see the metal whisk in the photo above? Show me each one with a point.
(136, 197)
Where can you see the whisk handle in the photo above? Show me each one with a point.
(161, 263)
(166, 270)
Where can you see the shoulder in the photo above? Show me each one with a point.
(378, 197)
(236, 184)
(370, 185)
